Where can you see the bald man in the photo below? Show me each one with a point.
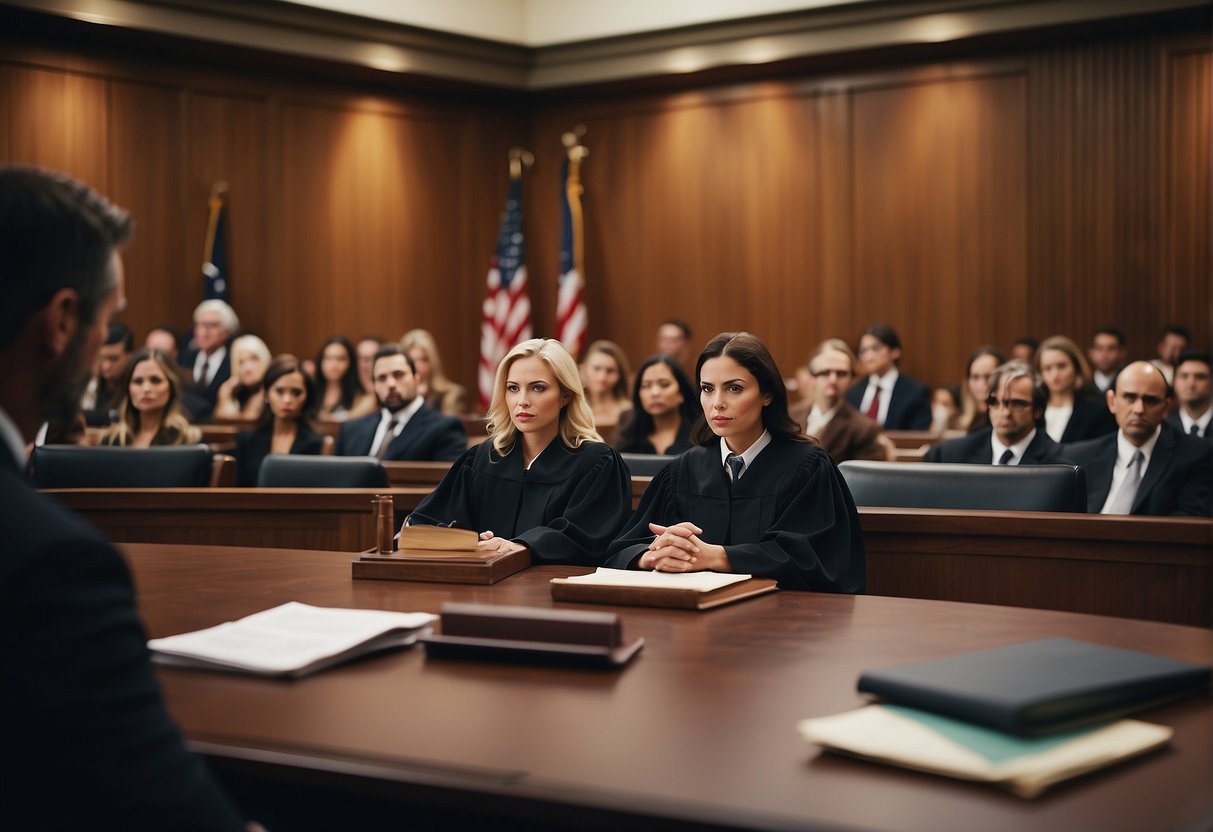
(1147, 466)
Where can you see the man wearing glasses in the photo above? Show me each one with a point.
(1146, 467)
(1017, 402)
(841, 430)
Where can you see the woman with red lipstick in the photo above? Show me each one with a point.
(150, 411)
(544, 481)
(754, 495)
(663, 410)
(284, 426)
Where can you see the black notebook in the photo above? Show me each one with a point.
(1038, 686)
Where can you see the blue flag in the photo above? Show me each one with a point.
(214, 257)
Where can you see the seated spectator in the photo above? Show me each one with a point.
(1107, 353)
(1072, 414)
(945, 408)
(284, 426)
(604, 372)
(976, 390)
(365, 351)
(1146, 466)
(664, 408)
(1192, 394)
(1173, 341)
(150, 412)
(1024, 349)
(842, 431)
(892, 400)
(338, 390)
(102, 395)
(674, 339)
(163, 338)
(215, 324)
(1016, 403)
(242, 396)
(439, 392)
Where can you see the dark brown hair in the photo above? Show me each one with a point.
(752, 354)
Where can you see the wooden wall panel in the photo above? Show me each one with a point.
(145, 136)
(1188, 240)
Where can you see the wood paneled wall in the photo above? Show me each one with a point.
(1044, 191)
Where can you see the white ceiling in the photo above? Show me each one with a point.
(536, 23)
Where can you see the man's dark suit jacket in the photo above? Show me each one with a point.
(976, 448)
(428, 435)
(88, 743)
(1179, 479)
(909, 407)
(1177, 423)
(848, 435)
(201, 399)
(1091, 419)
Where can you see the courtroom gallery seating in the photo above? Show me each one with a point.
(83, 466)
(645, 465)
(957, 486)
(298, 471)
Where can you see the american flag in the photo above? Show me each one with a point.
(507, 309)
(571, 314)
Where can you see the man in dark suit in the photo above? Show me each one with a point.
(894, 401)
(842, 432)
(1107, 355)
(1192, 416)
(1017, 403)
(403, 428)
(208, 361)
(88, 743)
(1147, 466)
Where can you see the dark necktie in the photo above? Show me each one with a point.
(1195, 430)
(735, 464)
(1006, 457)
(388, 436)
(874, 408)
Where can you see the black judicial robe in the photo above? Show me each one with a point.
(566, 508)
(789, 517)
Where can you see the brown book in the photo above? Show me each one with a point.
(438, 539)
(442, 567)
(642, 596)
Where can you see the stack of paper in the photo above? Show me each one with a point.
(291, 640)
(689, 590)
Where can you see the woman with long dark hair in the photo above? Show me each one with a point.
(284, 426)
(339, 393)
(754, 495)
(664, 409)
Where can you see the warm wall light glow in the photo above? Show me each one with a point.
(688, 59)
(758, 51)
(384, 57)
(937, 28)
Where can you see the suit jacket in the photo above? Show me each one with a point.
(976, 449)
(252, 447)
(1090, 420)
(1177, 423)
(84, 708)
(201, 398)
(428, 435)
(1179, 479)
(909, 407)
(848, 435)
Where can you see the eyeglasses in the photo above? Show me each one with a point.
(1148, 400)
(827, 373)
(1014, 405)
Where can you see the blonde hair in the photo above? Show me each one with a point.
(423, 339)
(576, 418)
(254, 345)
(125, 429)
(833, 345)
(1060, 343)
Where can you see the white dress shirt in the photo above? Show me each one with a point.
(818, 420)
(747, 456)
(1201, 421)
(402, 416)
(886, 383)
(1056, 419)
(1124, 455)
(1017, 450)
(205, 366)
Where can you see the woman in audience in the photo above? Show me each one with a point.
(544, 481)
(284, 426)
(1071, 415)
(945, 408)
(242, 395)
(664, 408)
(440, 392)
(339, 393)
(754, 495)
(149, 410)
(604, 371)
(978, 372)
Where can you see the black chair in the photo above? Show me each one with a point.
(645, 465)
(948, 485)
(84, 466)
(307, 471)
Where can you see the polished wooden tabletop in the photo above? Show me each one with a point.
(701, 728)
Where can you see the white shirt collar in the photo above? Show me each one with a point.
(886, 381)
(1018, 449)
(11, 437)
(403, 415)
(1202, 420)
(748, 455)
(1125, 449)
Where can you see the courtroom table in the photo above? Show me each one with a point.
(698, 733)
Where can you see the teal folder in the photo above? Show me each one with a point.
(1038, 686)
